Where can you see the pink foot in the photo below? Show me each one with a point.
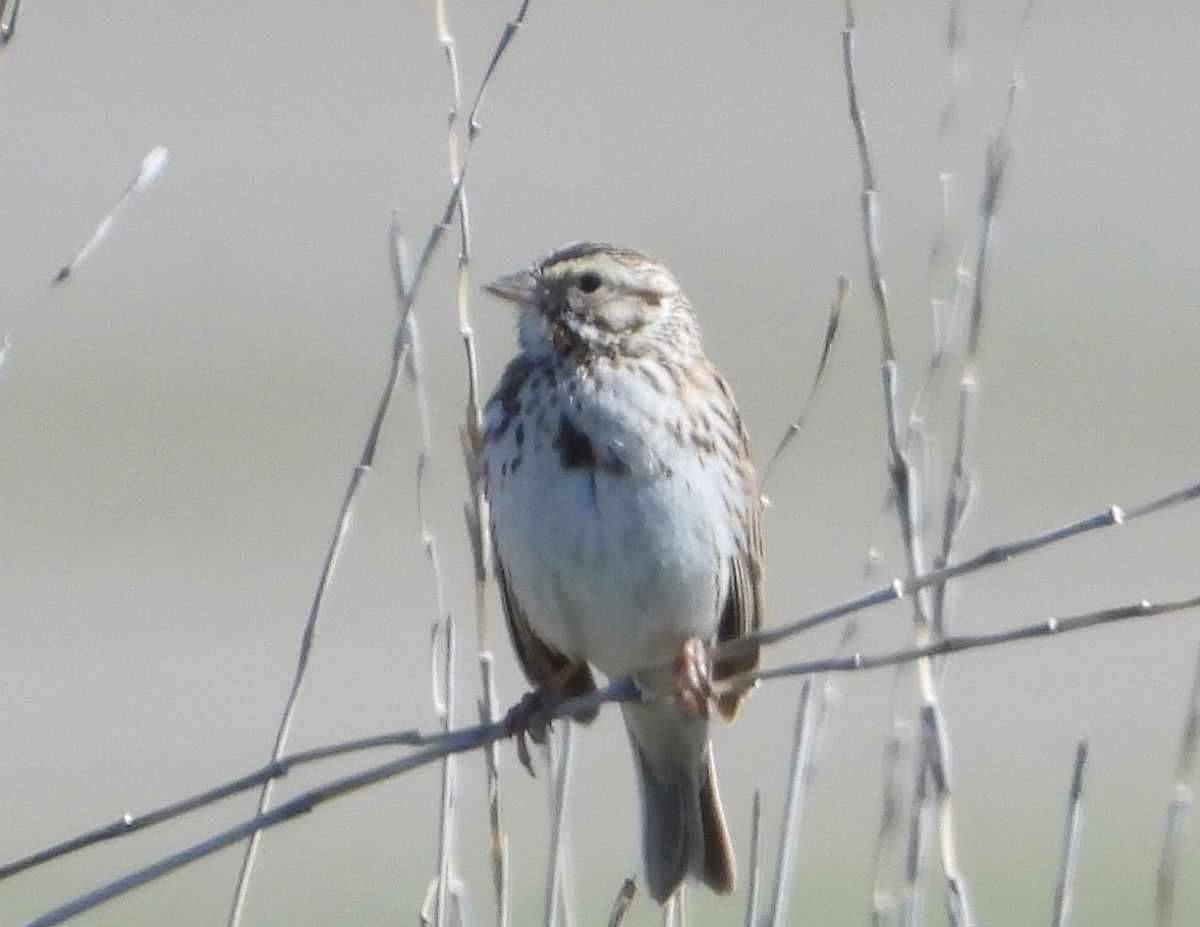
(693, 678)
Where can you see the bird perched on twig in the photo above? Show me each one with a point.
(625, 519)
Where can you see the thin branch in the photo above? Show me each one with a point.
(625, 689)
(812, 724)
(936, 748)
(622, 902)
(918, 840)
(151, 168)
(510, 30)
(882, 903)
(1064, 890)
(802, 745)
(869, 198)
(466, 739)
(961, 484)
(957, 644)
(366, 460)
(555, 900)
(831, 328)
(449, 46)
(960, 490)
(436, 908)
(8, 20)
(892, 592)
(449, 783)
(1001, 553)
(476, 510)
(907, 482)
(674, 913)
(755, 865)
(941, 261)
(131, 823)
(895, 590)
(456, 187)
(1182, 798)
(489, 714)
(410, 346)
(341, 527)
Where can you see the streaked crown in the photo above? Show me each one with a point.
(587, 297)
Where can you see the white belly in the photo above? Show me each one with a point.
(616, 568)
(611, 570)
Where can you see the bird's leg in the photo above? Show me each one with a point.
(532, 714)
(529, 716)
(693, 678)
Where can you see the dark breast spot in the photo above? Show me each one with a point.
(576, 450)
(574, 447)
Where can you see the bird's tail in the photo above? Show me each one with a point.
(683, 826)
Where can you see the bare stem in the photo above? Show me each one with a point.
(957, 644)
(449, 784)
(560, 762)
(8, 20)
(891, 592)
(1182, 798)
(883, 904)
(152, 166)
(755, 866)
(476, 510)
(366, 459)
(831, 328)
(1001, 553)
(802, 746)
(626, 689)
(1064, 890)
(622, 902)
(131, 823)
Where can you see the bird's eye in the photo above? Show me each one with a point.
(589, 282)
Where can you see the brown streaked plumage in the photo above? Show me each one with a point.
(626, 525)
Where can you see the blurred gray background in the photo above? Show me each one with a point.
(178, 422)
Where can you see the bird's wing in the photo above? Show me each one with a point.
(743, 609)
(544, 666)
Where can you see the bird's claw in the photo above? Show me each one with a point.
(693, 678)
(531, 715)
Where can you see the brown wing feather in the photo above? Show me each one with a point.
(743, 611)
(544, 666)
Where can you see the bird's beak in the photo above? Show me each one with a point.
(520, 287)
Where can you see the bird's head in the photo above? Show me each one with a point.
(589, 298)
